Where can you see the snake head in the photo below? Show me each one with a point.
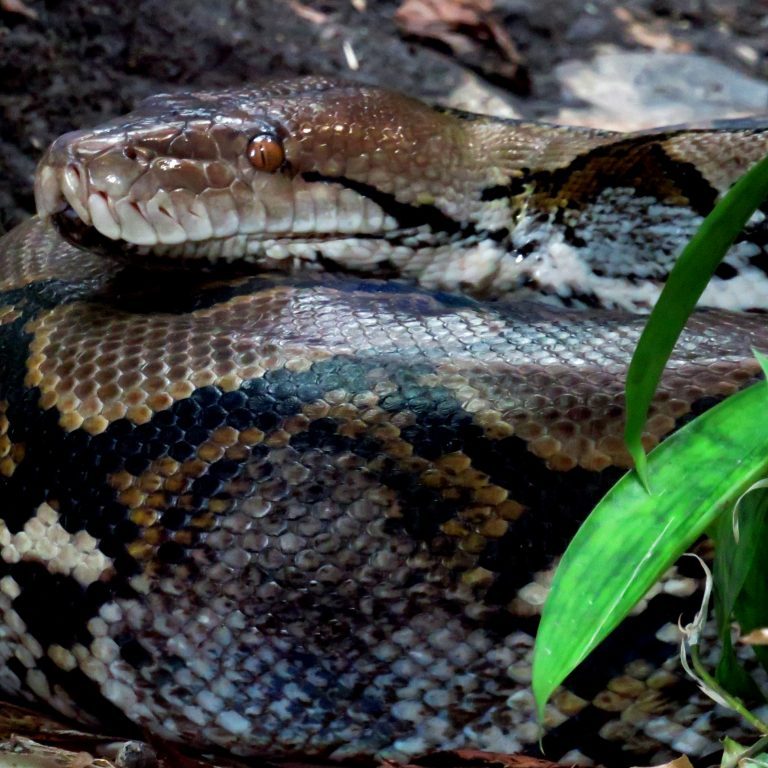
(291, 172)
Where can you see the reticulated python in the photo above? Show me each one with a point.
(316, 514)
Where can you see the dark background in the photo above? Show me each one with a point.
(72, 63)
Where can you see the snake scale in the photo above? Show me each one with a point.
(258, 498)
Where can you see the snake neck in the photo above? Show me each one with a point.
(590, 218)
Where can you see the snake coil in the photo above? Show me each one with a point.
(257, 498)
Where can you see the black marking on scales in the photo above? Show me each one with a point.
(409, 216)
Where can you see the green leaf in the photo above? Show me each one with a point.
(734, 559)
(751, 607)
(732, 675)
(631, 537)
(733, 564)
(684, 286)
(735, 754)
(732, 752)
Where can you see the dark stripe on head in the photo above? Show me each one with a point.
(407, 216)
(411, 216)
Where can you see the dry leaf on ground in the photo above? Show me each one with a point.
(470, 31)
(17, 6)
(756, 637)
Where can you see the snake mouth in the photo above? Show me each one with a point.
(289, 251)
(73, 229)
(228, 224)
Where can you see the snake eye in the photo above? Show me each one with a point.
(265, 153)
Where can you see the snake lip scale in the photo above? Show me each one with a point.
(256, 498)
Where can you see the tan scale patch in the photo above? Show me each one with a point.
(568, 702)
(11, 454)
(486, 518)
(626, 685)
(575, 417)
(166, 483)
(97, 365)
(609, 701)
(163, 485)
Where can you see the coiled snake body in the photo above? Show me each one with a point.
(294, 513)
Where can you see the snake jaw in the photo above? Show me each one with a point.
(275, 222)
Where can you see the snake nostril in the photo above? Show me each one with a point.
(130, 153)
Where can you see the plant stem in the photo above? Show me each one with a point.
(732, 701)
